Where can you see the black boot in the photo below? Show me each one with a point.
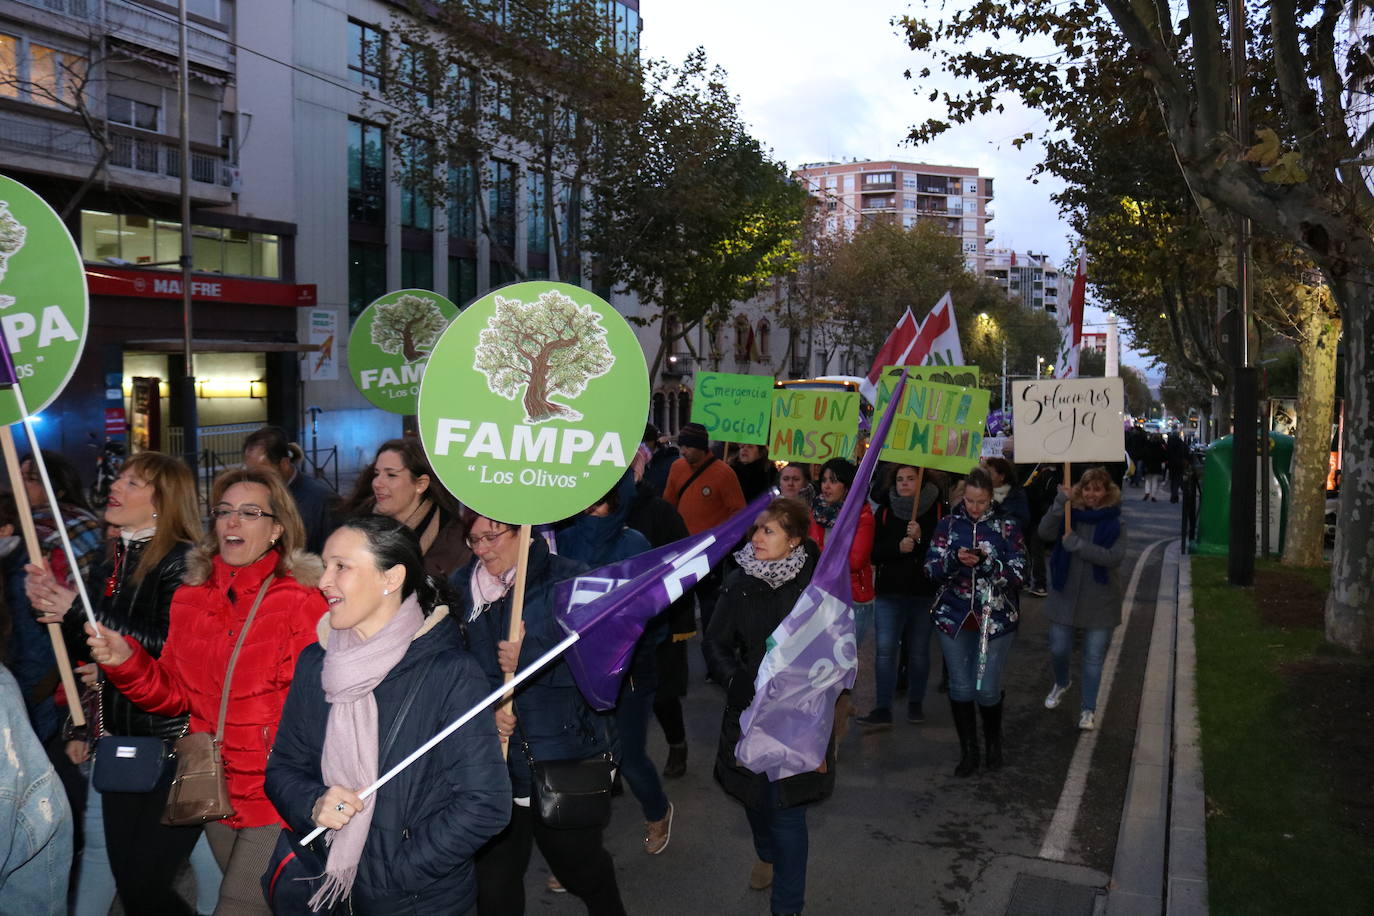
(965, 724)
(677, 761)
(992, 734)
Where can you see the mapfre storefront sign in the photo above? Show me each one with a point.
(145, 284)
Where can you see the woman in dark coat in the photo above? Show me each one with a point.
(388, 648)
(549, 720)
(153, 504)
(774, 567)
(904, 523)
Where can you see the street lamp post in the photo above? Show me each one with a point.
(190, 428)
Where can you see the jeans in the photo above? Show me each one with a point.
(1096, 641)
(863, 621)
(961, 656)
(632, 722)
(208, 876)
(780, 838)
(95, 884)
(892, 615)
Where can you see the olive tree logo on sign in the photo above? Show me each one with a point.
(549, 347)
(12, 235)
(408, 327)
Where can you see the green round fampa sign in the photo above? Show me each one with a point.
(44, 310)
(391, 343)
(534, 402)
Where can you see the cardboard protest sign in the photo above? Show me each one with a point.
(391, 343)
(733, 407)
(44, 309)
(1073, 420)
(534, 402)
(935, 425)
(963, 376)
(813, 425)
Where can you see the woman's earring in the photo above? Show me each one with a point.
(154, 516)
(386, 591)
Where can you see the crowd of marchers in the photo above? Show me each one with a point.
(321, 640)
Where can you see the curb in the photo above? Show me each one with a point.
(1187, 870)
(1161, 851)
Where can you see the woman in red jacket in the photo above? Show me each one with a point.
(837, 476)
(253, 548)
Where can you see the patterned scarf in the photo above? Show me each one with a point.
(824, 513)
(773, 572)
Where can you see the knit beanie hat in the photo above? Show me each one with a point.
(693, 435)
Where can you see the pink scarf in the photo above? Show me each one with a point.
(353, 667)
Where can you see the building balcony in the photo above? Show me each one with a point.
(868, 186)
(138, 25)
(679, 364)
(58, 146)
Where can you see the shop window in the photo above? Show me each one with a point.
(366, 276)
(417, 269)
(143, 240)
(462, 280)
(366, 173)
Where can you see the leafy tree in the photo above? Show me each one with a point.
(463, 83)
(551, 347)
(1301, 183)
(706, 217)
(409, 326)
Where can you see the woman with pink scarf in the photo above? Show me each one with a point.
(389, 671)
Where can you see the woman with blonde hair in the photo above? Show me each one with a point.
(1085, 582)
(249, 588)
(152, 503)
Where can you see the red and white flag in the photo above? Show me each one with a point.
(892, 353)
(1071, 324)
(937, 344)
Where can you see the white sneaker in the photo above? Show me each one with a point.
(1056, 694)
(1086, 720)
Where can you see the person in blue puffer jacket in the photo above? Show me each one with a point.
(549, 720)
(389, 671)
(597, 537)
(977, 559)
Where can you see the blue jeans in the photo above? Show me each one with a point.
(961, 655)
(863, 620)
(780, 838)
(632, 716)
(95, 883)
(893, 615)
(1096, 642)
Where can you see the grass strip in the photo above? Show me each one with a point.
(1273, 843)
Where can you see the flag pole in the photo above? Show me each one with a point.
(517, 613)
(1068, 506)
(513, 682)
(35, 549)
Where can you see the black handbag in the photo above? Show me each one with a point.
(572, 793)
(129, 764)
(295, 872)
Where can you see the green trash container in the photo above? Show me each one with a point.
(1214, 513)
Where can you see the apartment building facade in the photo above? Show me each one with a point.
(955, 198)
(1029, 278)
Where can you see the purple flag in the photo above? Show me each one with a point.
(8, 378)
(618, 599)
(811, 655)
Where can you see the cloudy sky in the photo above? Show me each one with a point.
(824, 81)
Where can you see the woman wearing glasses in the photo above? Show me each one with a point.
(251, 557)
(549, 720)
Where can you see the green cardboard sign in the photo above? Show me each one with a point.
(963, 376)
(534, 402)
(732, 407)
(44, 310)
(935, 426)
(813, 425)
(391, 343)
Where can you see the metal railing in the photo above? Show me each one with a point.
(225, 439)
(149, 154)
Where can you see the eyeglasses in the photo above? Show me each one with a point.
(483, 540)
(245, 513)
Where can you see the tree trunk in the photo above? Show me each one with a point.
(408, 349)
(538, 408)
(1318, 331)
(1350, 604)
